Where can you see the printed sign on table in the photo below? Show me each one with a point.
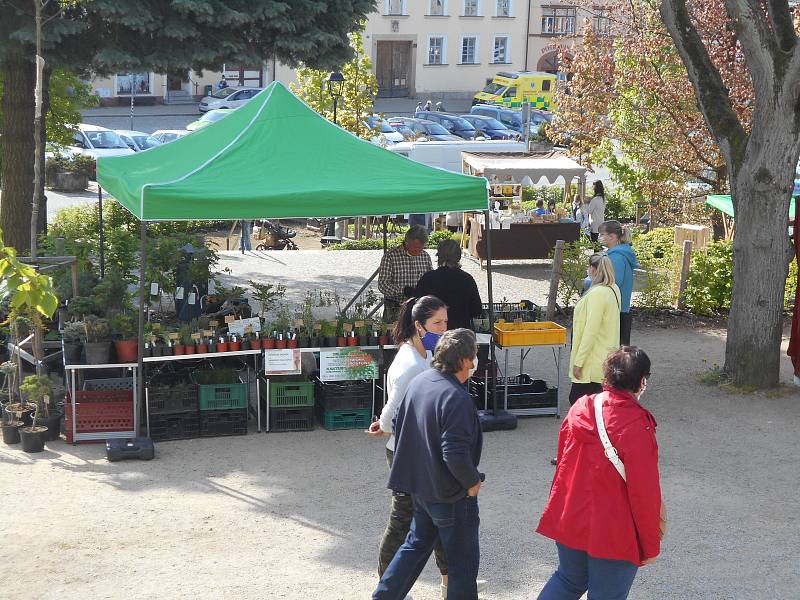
(282, 362)
(239, 325)
(345, 364)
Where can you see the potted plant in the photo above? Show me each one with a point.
(329, 333)
(362, 330)
(383, 336)
(10, 424)
(221, 345)
(73, 335)
(185, 339)
(341, 336)
(69, 173)
(234, 343)
(202, 345)
(81, 306)
(38, 390)
(267, 295)
(33, 437)
(127, 346)
(98, 340)
(166, 347)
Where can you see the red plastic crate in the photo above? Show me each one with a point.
(94, 417)
(83, 396)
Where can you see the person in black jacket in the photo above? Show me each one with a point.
(438, 444)
(453, 286)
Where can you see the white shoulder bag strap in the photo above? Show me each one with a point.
(610, 451)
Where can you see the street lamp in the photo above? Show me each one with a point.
(335, 89)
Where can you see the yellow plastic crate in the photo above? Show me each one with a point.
(540, 333)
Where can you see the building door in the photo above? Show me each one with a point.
(392, 69)
(175, 83)
(244, 76)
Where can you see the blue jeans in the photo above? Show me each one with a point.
(456, 525)
(578, 572)
(247, 232)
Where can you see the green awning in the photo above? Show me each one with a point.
(276, 158)
(724, 204)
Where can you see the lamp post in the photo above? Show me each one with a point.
(335, 89)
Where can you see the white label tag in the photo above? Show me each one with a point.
(154, 289)
(191, 298)
(179, 294)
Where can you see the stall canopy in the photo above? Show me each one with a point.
(724, 204)
(276, 158)
(516, 165)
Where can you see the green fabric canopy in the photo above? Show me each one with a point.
(276, 158)
(724, 204)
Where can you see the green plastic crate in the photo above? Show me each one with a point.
(288, 392)
(359, 418)
(221, 396)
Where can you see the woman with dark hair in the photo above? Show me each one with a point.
(605, 510)
(597, 210)
(420, 324)
(453, 285)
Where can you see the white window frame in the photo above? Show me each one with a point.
(444, 9)
(476, 53)
(119, 76)
(443, 53)
(601, 20)
(508, 48)
(403, 8)
(550, 22)
(510, 9)
(478, 12)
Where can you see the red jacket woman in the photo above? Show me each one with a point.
(592, 512)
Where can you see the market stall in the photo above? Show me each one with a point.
(519, 234)
(276, 158)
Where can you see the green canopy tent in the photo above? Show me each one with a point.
(277, 158)
(724, 204)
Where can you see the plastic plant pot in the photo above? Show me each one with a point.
(179, 349)
(292, 344)
(234, 346)
(202, 348)
(383, 340)
(32, 438)
(222, 347)
(127, 350)
(268, 343)
(341, 341)
(280, 344)
(189, 349)
(11, 432)
(352, 341)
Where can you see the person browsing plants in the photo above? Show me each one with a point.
(401, 269)
(605, 511)
(618, 242)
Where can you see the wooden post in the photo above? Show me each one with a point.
(685, 264)
(74, 271)
(555, 277)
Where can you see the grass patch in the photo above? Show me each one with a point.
(713, 376)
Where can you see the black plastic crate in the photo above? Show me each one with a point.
(291, 419)
(523, 392)
(524, 310)
(223, 422)
(170, 396)
(180, 426)
(344, 395)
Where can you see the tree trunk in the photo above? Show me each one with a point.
(18, 151)
(761, 192)
(42, 225)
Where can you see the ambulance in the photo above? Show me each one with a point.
(512, 88)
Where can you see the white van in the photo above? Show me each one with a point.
(447, 155)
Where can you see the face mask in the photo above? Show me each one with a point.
(642, 390)
(430, 339)
(474, 366)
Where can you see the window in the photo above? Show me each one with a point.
(472, 8)
(558, 20)
(500, 53)
(436, 50)
(139, 82)
(601, 21)
(395, 7)
(503, 8)
(510, 93)
(546, 85)
(469, 50)
(437, 8)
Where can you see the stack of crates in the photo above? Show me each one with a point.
(290, 403)
(524, 392)
(103, 406)
(344, 404)
(223, 404)
(173, 406)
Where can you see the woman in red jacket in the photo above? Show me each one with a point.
(604, 510)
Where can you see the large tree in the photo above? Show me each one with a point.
(107, 36)
(761, 162)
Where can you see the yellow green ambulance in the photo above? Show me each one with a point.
(512, 88)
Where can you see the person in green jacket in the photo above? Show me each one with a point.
(595, 329)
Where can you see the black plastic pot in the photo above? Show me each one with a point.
(53, 424)
(314, 342)
(303, 342)
(33, 438)
(11, 433)
(97, 353)
(245, 345)
(157, 350)
(330, 341)
(373, 340)
(72, 352)
(166, 350)
(363, 340)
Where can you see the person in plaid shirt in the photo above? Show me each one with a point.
(401, 269)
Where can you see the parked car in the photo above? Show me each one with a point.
(382, 130)
(170, 135)
(138, 140)
(424, 129)
(229, 97)
(96, 141)
(491, 128)
(454, 124)
(208, 118)
(512, 118)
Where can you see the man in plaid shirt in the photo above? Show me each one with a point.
(401, 269)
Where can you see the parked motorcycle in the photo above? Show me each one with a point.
(274, 236)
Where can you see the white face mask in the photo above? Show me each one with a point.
(642, 389)
(474, 366)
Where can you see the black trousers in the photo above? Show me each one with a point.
(625, 322)
(579, 390)
(398, 527)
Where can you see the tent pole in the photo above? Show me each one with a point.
(385, 221)
(102, 232)
(487, 218)
(142, 313)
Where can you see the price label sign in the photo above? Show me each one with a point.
(179, 294)
(229, 318)
(154, 289)
(359, 323)
(191, 299)
(173, 336)
(213, 323)
(299, 323)
(242, 326)
(348, 327)
(195, 336)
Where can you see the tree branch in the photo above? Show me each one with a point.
(759, 44)
(712, 95)
(782, 25)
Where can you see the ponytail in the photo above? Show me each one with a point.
(616, 228)
(411, 311)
